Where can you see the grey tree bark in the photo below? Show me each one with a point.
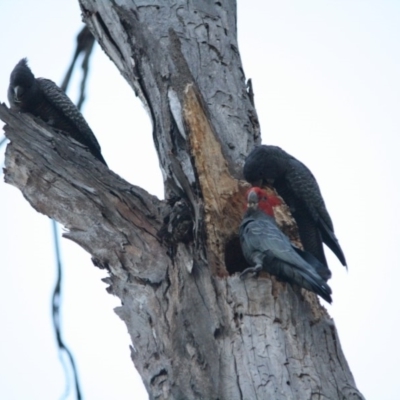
(197, 330)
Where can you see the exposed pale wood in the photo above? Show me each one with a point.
(220, 191)
(196, 332)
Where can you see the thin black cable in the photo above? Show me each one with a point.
(84, 45)
(56, 300)
(85, 68)
(85, 42)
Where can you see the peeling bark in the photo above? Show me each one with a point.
(197, 330)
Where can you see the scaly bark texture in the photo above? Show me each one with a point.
(197, 331)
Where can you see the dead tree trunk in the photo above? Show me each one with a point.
(197, 331)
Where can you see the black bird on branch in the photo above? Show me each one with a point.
(267, 248)
(295, 183)
(44, 99)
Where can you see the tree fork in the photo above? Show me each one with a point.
(197, 332)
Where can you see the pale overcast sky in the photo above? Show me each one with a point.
(327, 89)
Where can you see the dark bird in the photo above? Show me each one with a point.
(44, 99)
(266, 248)
(266, 203)
(295, 183)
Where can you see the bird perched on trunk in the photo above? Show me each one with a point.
(268, 249)
(266, 203)
(44, 99)
(295, 183)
